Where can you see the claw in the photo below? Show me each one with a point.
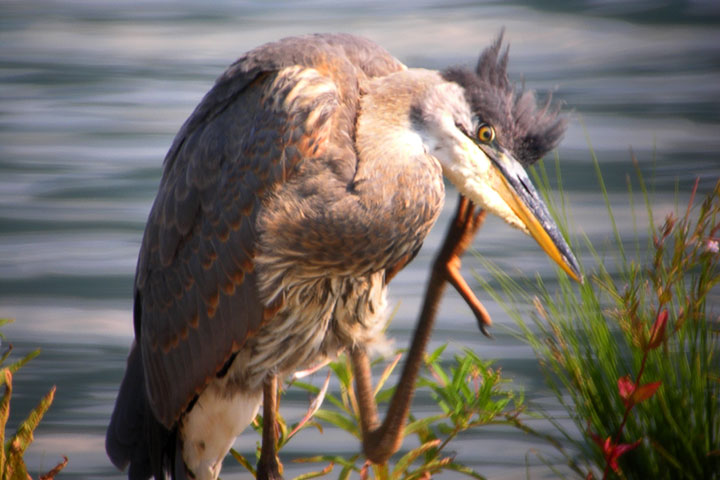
(467, 220)
(456, 280)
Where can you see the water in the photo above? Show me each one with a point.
(91, 96)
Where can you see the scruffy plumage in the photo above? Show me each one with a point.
(523, 128)
(306, 178)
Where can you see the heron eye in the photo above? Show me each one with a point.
(486, 133)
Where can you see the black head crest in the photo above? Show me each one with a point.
(526, 130)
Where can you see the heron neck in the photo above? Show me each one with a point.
(392, 162)
(391, 153)
(398, 186)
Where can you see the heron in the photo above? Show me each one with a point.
(304, 180)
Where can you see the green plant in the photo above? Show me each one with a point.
(12, 464)
(644, 318)
(469, 393)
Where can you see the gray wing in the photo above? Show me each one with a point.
(196, 294)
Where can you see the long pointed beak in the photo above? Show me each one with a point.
(518, 192)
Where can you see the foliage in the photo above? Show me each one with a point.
(632, 354)
(469, 393)
(12, 464)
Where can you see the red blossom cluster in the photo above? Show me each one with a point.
(632, 392)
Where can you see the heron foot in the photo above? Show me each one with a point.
(458, 239)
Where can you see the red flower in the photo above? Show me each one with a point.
(632, 394)
(612, 451)
(657, 333)
(626, 387)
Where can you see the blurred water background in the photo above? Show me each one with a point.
(92, 93)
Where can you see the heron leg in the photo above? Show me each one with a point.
(268, 467)
(381, 440)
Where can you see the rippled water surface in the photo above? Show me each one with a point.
(92, 93)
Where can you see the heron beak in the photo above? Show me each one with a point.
(516, 189)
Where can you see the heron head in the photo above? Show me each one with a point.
(483, 131)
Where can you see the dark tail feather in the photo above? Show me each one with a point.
(134, 436)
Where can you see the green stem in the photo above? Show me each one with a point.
(630, 405)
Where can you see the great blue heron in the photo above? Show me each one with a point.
(304, 180)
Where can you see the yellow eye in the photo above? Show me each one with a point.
(486, 133)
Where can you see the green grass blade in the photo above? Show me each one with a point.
(4, 414)
(14, 367)
(406, 460)
(24, 435)
(319, 473)
(242, 461)
(339, 420)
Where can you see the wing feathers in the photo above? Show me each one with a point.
(268, 114)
